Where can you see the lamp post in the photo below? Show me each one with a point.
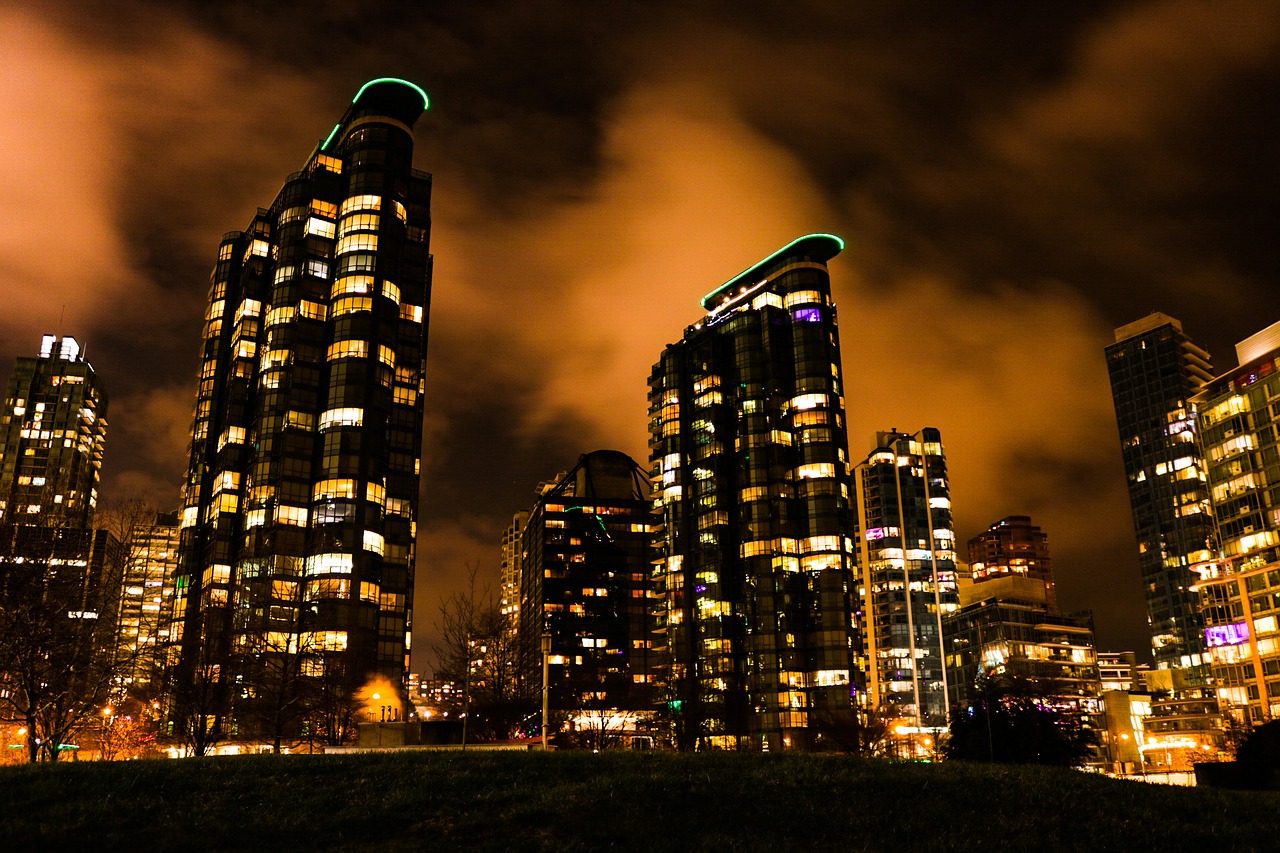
(546, 689)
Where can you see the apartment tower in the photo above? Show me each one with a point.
(1155, 370)
(748, 455)
(907, 576)
(301, 499)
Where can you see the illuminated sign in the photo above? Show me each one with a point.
(1226, 635)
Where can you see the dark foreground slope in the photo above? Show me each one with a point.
(619, 801)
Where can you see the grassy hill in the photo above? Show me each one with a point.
(617, 801)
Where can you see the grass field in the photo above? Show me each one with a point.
(612, 801)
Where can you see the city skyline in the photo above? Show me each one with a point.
(1012, 187)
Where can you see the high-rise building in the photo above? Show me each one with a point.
(301, 499)
(585, 572)
(510, 571)
(1013, 546)
(748, 454)
(907, 576)
(52, 432)
(146, 599)
(1155, 370)
(1239, 590)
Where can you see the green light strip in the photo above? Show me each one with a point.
(823, 238)
(414, 86)
(324, 146)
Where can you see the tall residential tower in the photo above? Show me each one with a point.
(1155, 370)
(52, 433)
(300, 504)
(751, 479)
(907, 583)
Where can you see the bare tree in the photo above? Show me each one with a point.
(132, 521)
(58, 662)
(199, 688)
(481, 652)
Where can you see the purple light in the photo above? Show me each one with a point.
(808, 315)
(1234, 634)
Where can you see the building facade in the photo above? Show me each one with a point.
(1155, 370)
(1239, 590)
(1013, 546)
(748, 454)
(907, 576)
(510, 571)
(300, 504)
(52, 437)
(586, 582)
(146, 599)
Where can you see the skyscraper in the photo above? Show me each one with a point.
(1155, 370)
(52, 430)
(585, 572)
(907, 583)
(59, 578)
(510, 570)
(1239, 591)
(748, 456)
(300, 505)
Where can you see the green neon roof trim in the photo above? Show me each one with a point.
(825, 245)
(414, 86)
(324, 146)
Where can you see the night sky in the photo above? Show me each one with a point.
(1014, 180)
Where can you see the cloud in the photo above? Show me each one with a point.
(63, 154)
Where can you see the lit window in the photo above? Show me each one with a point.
(324, 208)
(374, 542)
(248, 308)
(317, 227)
(342, 417)
(412, 313)
(351, 284)
(311, 310)
(390, 291)
(329, 564)
(357, 243)
(296, 515)
(319, 269)
(329, 164)
(808, 401)
(280, 315)
(803, 297)
(359, 222)
(348, 349)
(350, 305)
(815, 470)
(329, 489)
(275, 358)
(361, 202)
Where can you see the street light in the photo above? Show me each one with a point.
(546, 690)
